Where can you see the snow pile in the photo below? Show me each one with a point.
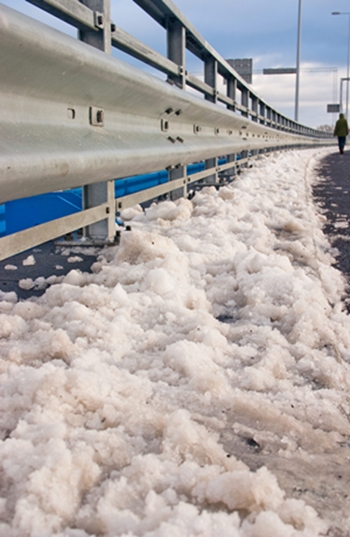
(30, 260)
(169, 393)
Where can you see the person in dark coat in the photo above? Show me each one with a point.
(341, 130)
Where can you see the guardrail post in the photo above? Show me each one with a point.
(98, 193)
(210, 78)
(245, 100)
(176, 44)
(245, 113)
(176, 49)
(255, 108)
(278, 121)
(268, 116)
(231, 93)
(273, 119)
(231, 158)
(262, 112)
(211, 163)
(177, 173)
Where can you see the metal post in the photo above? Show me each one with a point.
(231, 158)
(245, 100)
(296, 113)
(255, 108)
(231, 92)
(341, 95)
(341, 108)
(176, 44)
(176, 51)
(348, 65)
(262, 112)
(210, 77)
(254, 118)
(347, 72)
(177, 173)
(268, 116)
(98, 193)
(211, 163)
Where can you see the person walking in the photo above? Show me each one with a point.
(341, 130)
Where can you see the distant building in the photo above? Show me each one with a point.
(244, 68)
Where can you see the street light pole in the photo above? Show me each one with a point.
(296, 112)
(348, 60)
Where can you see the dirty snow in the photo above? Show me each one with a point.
(195, 384)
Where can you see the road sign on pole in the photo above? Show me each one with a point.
(333, 108)
(280, 71)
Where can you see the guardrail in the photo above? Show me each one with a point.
(74, 115)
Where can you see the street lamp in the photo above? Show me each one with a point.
(347, 71)
(296, 112)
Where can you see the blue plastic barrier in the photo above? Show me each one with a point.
(28, 212)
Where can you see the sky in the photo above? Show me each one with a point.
(195, 384)
(264, 31)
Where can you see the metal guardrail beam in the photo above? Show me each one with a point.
(165, 13)
(84, 18)
(80, 16)
(135, 48)
(139, 197)
(163, 10)
(199, 85)
(73, 115)
(73, 13)
(59, 227)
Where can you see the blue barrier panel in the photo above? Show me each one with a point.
(124, 187)
(28, 212)
(2, 220)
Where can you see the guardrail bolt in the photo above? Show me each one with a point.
(96, 116)
(164, 125)
(99, 22)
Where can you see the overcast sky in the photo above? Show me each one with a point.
(263, 30)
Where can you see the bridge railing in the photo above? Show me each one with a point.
(73, 115)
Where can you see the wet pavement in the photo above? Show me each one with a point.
(29, 273)
(332, 195)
